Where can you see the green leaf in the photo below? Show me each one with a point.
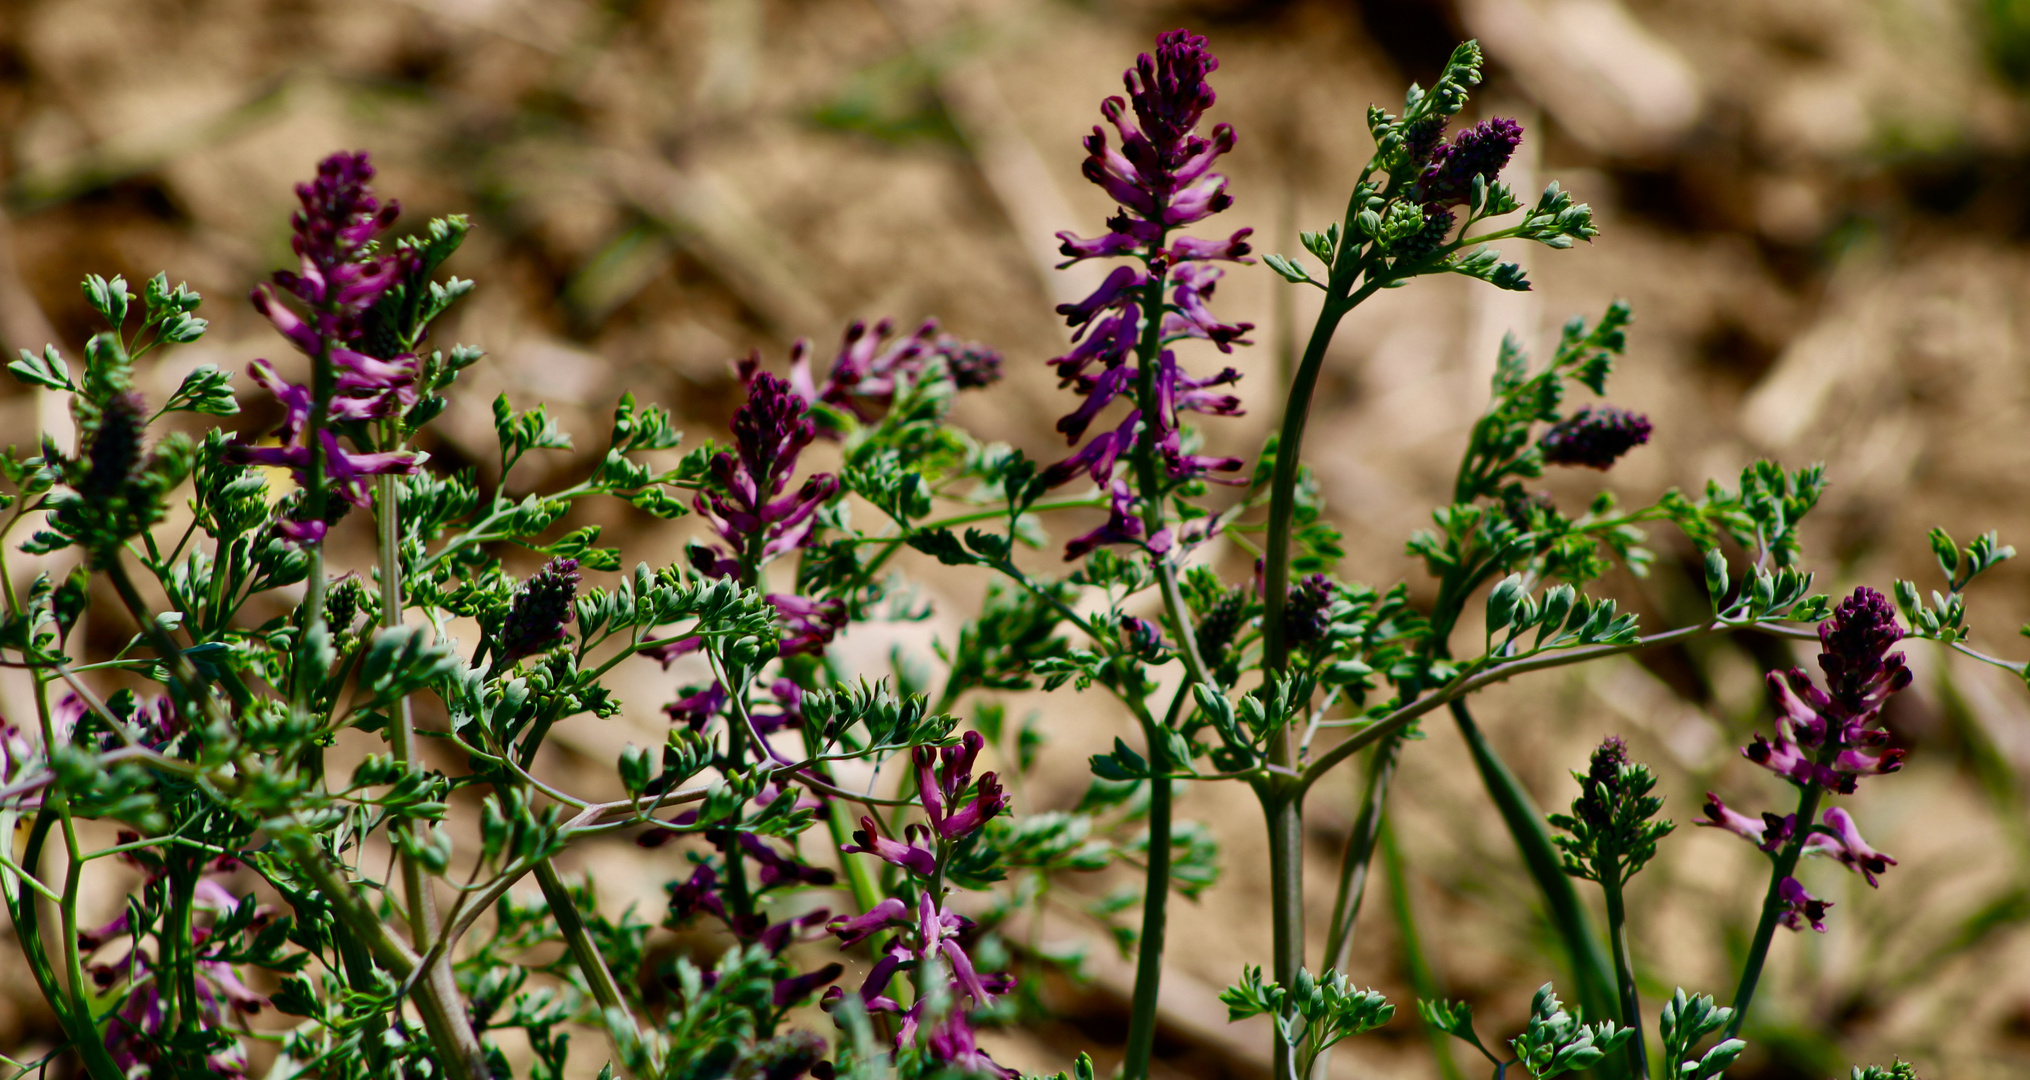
(403, 660)
(205, 390)
(47, 370)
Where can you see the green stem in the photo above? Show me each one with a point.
(72, 1008)
(1282, 809)
(1624, 975)
(1540, 856)
(1773, 906)
(613, 1010)
(1155, 899)
(1360, 847)
(1423, 980)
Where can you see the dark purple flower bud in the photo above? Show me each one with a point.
(1482, 150)
(114, 453)
(1216, 631)
(1801, 907)
(1860, 670)
(1438, 223)
(1422, 139)
(1308, 611)
(1595, 804)
(540, 610)
(1594, 437)
(972, 366)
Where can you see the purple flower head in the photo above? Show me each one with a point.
(340, 276)
(1595, 804)
(1482, 150)
(929, 931)
(1308, 611)
(1768, 832)
(540, 610)
(114, 453)
(1801, 907)
(1158, 167)
(1594, 437)
(872, 365)
(747, 508)
(1860, 670)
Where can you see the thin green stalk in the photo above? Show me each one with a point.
(613, 1010)
(1624, 975)
(1155, 899)
(1423, 980)
(1772, 905)
(1533, 841)
(73, 1010)
(1360, 847)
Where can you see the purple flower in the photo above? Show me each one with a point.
(1848, 847)
(807, 625)
(927, 931)
(1159, 169)
(133, 1034)
(340, 277)
(540, 610)
(943, 777)
(1308, 611)
(1801, 907)
(747, 508)
(870, 366)
(953, 1044)
(1828, 739)
(1594, 437)
(1482, 150)
(910, 852)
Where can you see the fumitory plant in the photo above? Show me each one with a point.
(330, 780)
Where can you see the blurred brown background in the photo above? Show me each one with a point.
(1816, 207)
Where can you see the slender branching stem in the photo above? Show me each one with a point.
(1624, 974)
(618, 1019)
(1783, 866)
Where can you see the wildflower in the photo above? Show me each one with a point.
(911, 852)
(1482, 150)
(928, 934)
(540, 611)
(1847, 846)
(1161, 175)
(1828, 739)
(1801, 907)
(341, 276)
(943, 777)
(747, 508)
(1594, 437)
(871, 365)
(1308, 611)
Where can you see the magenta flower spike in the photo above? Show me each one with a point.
(1158, 167)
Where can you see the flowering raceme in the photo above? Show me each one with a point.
(929, 932)
(1160, 174)
(340, 278)
(871, 365)
(1826, 740)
